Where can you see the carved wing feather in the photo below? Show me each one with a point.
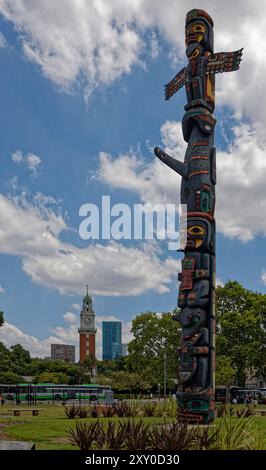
(175, 84)
(224, 61)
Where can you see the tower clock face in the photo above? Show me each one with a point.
(88, 321)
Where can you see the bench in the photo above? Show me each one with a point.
(260, 412)
(35, 411)
(16, 445)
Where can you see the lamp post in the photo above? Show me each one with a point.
(159, 386)
(164, 375)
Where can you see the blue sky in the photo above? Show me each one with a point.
(71, 134)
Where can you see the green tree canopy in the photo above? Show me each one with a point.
(130, 382)
(241, 334)
(154, 336)
(10, 378)
(52, 377)
(225, 371)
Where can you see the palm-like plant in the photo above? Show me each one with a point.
(71, 411)
(84, 434)
(205, 438)
(115, 435)
(238, 434)
(150, 409)
(137, 435)
(174, 436)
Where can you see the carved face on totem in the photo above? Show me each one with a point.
(198, 235)
(192, 320)
(196, 31)
(199, 31)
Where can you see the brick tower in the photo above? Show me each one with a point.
(87, 330)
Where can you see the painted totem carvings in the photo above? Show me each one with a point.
(196, 299)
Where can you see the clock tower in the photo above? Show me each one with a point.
(87, 330)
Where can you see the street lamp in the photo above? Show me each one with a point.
(164, 374)
(159, 386)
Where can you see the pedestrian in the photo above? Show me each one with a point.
(2, 399)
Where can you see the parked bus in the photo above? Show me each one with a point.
(57, 392)
(220, 393)
(250, 396)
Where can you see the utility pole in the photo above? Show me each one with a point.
(164, 375)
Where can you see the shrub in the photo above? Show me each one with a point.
(71, 411)
(205, 438)
(95, 411)
(223, 410)
(167, 408)
(108, 411)
(114, 436)
(123, 409)
(137, 435)
(84, 434)
(238, 434)
(150, 409)
(174, 436)
(245, 411)
(82, 412)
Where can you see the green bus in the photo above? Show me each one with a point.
(57, 392)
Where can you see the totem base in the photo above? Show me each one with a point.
(195, 411)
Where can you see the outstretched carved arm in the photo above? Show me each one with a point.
(176, 165)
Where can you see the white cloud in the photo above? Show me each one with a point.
(85, 42)
(154, 45)
(241, 171)
(263, 277)
(2, 290)
(149, 180)
(3, 42)
(219, 282)
(172, 139)
(28, 230)
(94, 43)
(31, 161)
(32, 230)
(11, 334)
(113, 270)
(17, 156)
(241, 197)
(76, 306)
(70, 317)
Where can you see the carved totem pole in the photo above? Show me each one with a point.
(196, 298)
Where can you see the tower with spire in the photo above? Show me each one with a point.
(87, 329)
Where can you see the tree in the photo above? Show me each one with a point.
(88, 365)
(225, 374)
(19, 354)
(1, 318)
(5, 359)
(130, 382)
(20, 357)
(79, 376)
(52, 377)
(10, 378)
(154, 335)
(241, 331)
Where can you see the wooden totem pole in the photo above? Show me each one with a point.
(196, 299)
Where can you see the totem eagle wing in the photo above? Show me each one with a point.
(175, 84)
(224, 61)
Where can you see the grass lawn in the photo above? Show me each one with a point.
(48, 430)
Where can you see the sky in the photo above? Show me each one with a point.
(82, 107)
